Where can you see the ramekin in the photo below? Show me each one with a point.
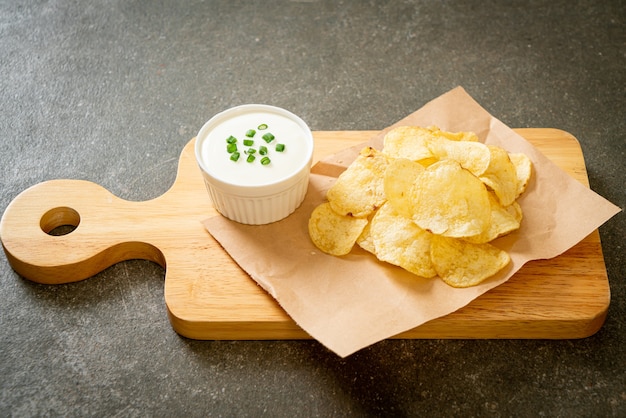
(261, 203)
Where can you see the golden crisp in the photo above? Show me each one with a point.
(523, 169)
(400, 177)
(463, 264)
(359, 190)
(398, 241)
(455, 136)
(430, 202)
(501, 176)
(333, 233)
(410, 142)
(365, 240)
(449, 200)
(473, 156)
(504, 220)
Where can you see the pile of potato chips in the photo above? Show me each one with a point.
(429, 202)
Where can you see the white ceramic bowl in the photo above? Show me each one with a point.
(252, 192)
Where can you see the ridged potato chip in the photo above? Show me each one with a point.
(501, 176)
(333, 233)
(359, 190)
(523, 170)
(400, 177)
(398, 241)
(449, 200)
(463, 264)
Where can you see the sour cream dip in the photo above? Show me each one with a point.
(255, 160)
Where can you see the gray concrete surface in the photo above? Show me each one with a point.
(110, 91)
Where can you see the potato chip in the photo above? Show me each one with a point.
(399, 179)
(455, 136)
(359, 190)
(463, 264)
(504, 220)
(523, 170)
(365, 240)
(410, 142)
(430, 202)
(333, 233)
(501, 176)
(448, 200)
(515, 210)
(427, 162)
(398, 241)
(473, 156)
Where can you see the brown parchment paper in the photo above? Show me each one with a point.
(350, 302)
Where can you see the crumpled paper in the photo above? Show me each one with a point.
(350, 302)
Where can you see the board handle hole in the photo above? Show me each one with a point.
(59, 221)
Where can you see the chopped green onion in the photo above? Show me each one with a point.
(235, 154)
(231, 147)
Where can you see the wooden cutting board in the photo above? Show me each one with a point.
(209, 297)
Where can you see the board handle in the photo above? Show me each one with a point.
(104, 230)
